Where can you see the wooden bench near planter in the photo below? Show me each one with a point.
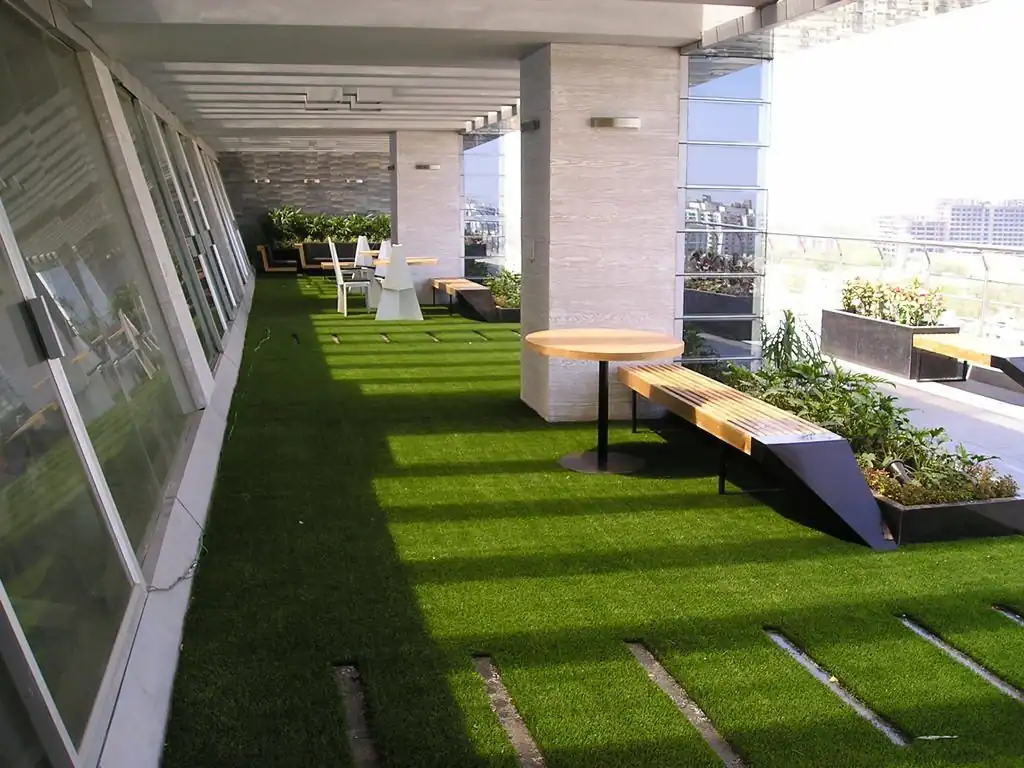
(270, 264)
(989, 353)
(821, 460)
(475, 298)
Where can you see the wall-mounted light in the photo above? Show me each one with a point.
(529, 125)
(427, 167)
(615, 122)
(261, 181)
(353, 181)
(311, 181)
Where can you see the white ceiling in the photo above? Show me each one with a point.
(273, 74)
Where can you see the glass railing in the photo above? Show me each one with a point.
(983, 285)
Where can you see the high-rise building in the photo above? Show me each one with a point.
(962, 221)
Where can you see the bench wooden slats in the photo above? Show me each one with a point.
(989, 353)
(820, 459)
(715, 407)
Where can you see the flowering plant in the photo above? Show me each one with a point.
(909, 303)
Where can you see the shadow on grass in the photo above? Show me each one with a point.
(293, 583)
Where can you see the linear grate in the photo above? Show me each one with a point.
(353, 701)
(527, 753)
(686, 705)
(832, 683)
(962, 658)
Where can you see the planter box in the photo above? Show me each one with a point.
(884, 346)
(950, 522)
(507, 315)
(696, 302)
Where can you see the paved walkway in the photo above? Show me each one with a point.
(986, 419)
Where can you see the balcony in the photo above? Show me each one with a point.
(386, 503)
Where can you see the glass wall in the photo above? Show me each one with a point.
(75, 238)
(721, 231)
(226, 287)
(92, 418)
(178, 243)
(491, 190)
(59, 565)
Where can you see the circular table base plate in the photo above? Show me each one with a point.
(618, 463)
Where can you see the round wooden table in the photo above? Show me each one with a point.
(603, 345)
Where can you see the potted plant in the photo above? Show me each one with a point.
(876, 327)
(292, 230)
(506, 288)
(926, 490)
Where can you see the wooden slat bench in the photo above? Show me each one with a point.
(453, 286)
(821, 460)
(270, 265)
(989, 353)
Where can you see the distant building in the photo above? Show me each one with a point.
(720, 227)
(960, 221)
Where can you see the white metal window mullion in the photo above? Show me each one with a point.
(219, 228)
(76, 424)
(233, 232)
(158, 141)
(41, 704)
(178, 150)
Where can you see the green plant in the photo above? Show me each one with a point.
(288, 226)
(910, 304)
(506, 288)
(796, 377)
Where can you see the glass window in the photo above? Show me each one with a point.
(68, 218)
(713, 77)
(214, 219)
(19, 745)
(57, 560)
(725, 166)
(198, 215)
(725, 121)
(176, 242)
(728, 208)
(200, 258)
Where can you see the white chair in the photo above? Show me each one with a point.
(378, 275)
(344, 286)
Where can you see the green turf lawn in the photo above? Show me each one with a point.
(396, 505)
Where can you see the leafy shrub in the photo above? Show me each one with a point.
(288, 226)
(909, 304)
(506, 288)
(796, 377)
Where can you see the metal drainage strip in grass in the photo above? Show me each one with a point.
(830, 682)
(353, 702)
(686, 705)
(433, 336)
(1009, 613)
(962, 658)
(527, 753)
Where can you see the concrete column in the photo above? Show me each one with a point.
(426, 202)
(599, 208)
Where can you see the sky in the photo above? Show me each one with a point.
(889, 122)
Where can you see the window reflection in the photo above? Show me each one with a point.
(19, 746)
(67, 217)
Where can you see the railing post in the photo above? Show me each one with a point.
(984, 297)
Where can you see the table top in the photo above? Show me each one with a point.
(604, 344)
(412, 261)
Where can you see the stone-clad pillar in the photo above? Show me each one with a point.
(599, 208)
(426, 202)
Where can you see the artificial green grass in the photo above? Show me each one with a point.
(395, 505)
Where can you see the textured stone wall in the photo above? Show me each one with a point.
(599, 208)
(286, 171)
(428, 203)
